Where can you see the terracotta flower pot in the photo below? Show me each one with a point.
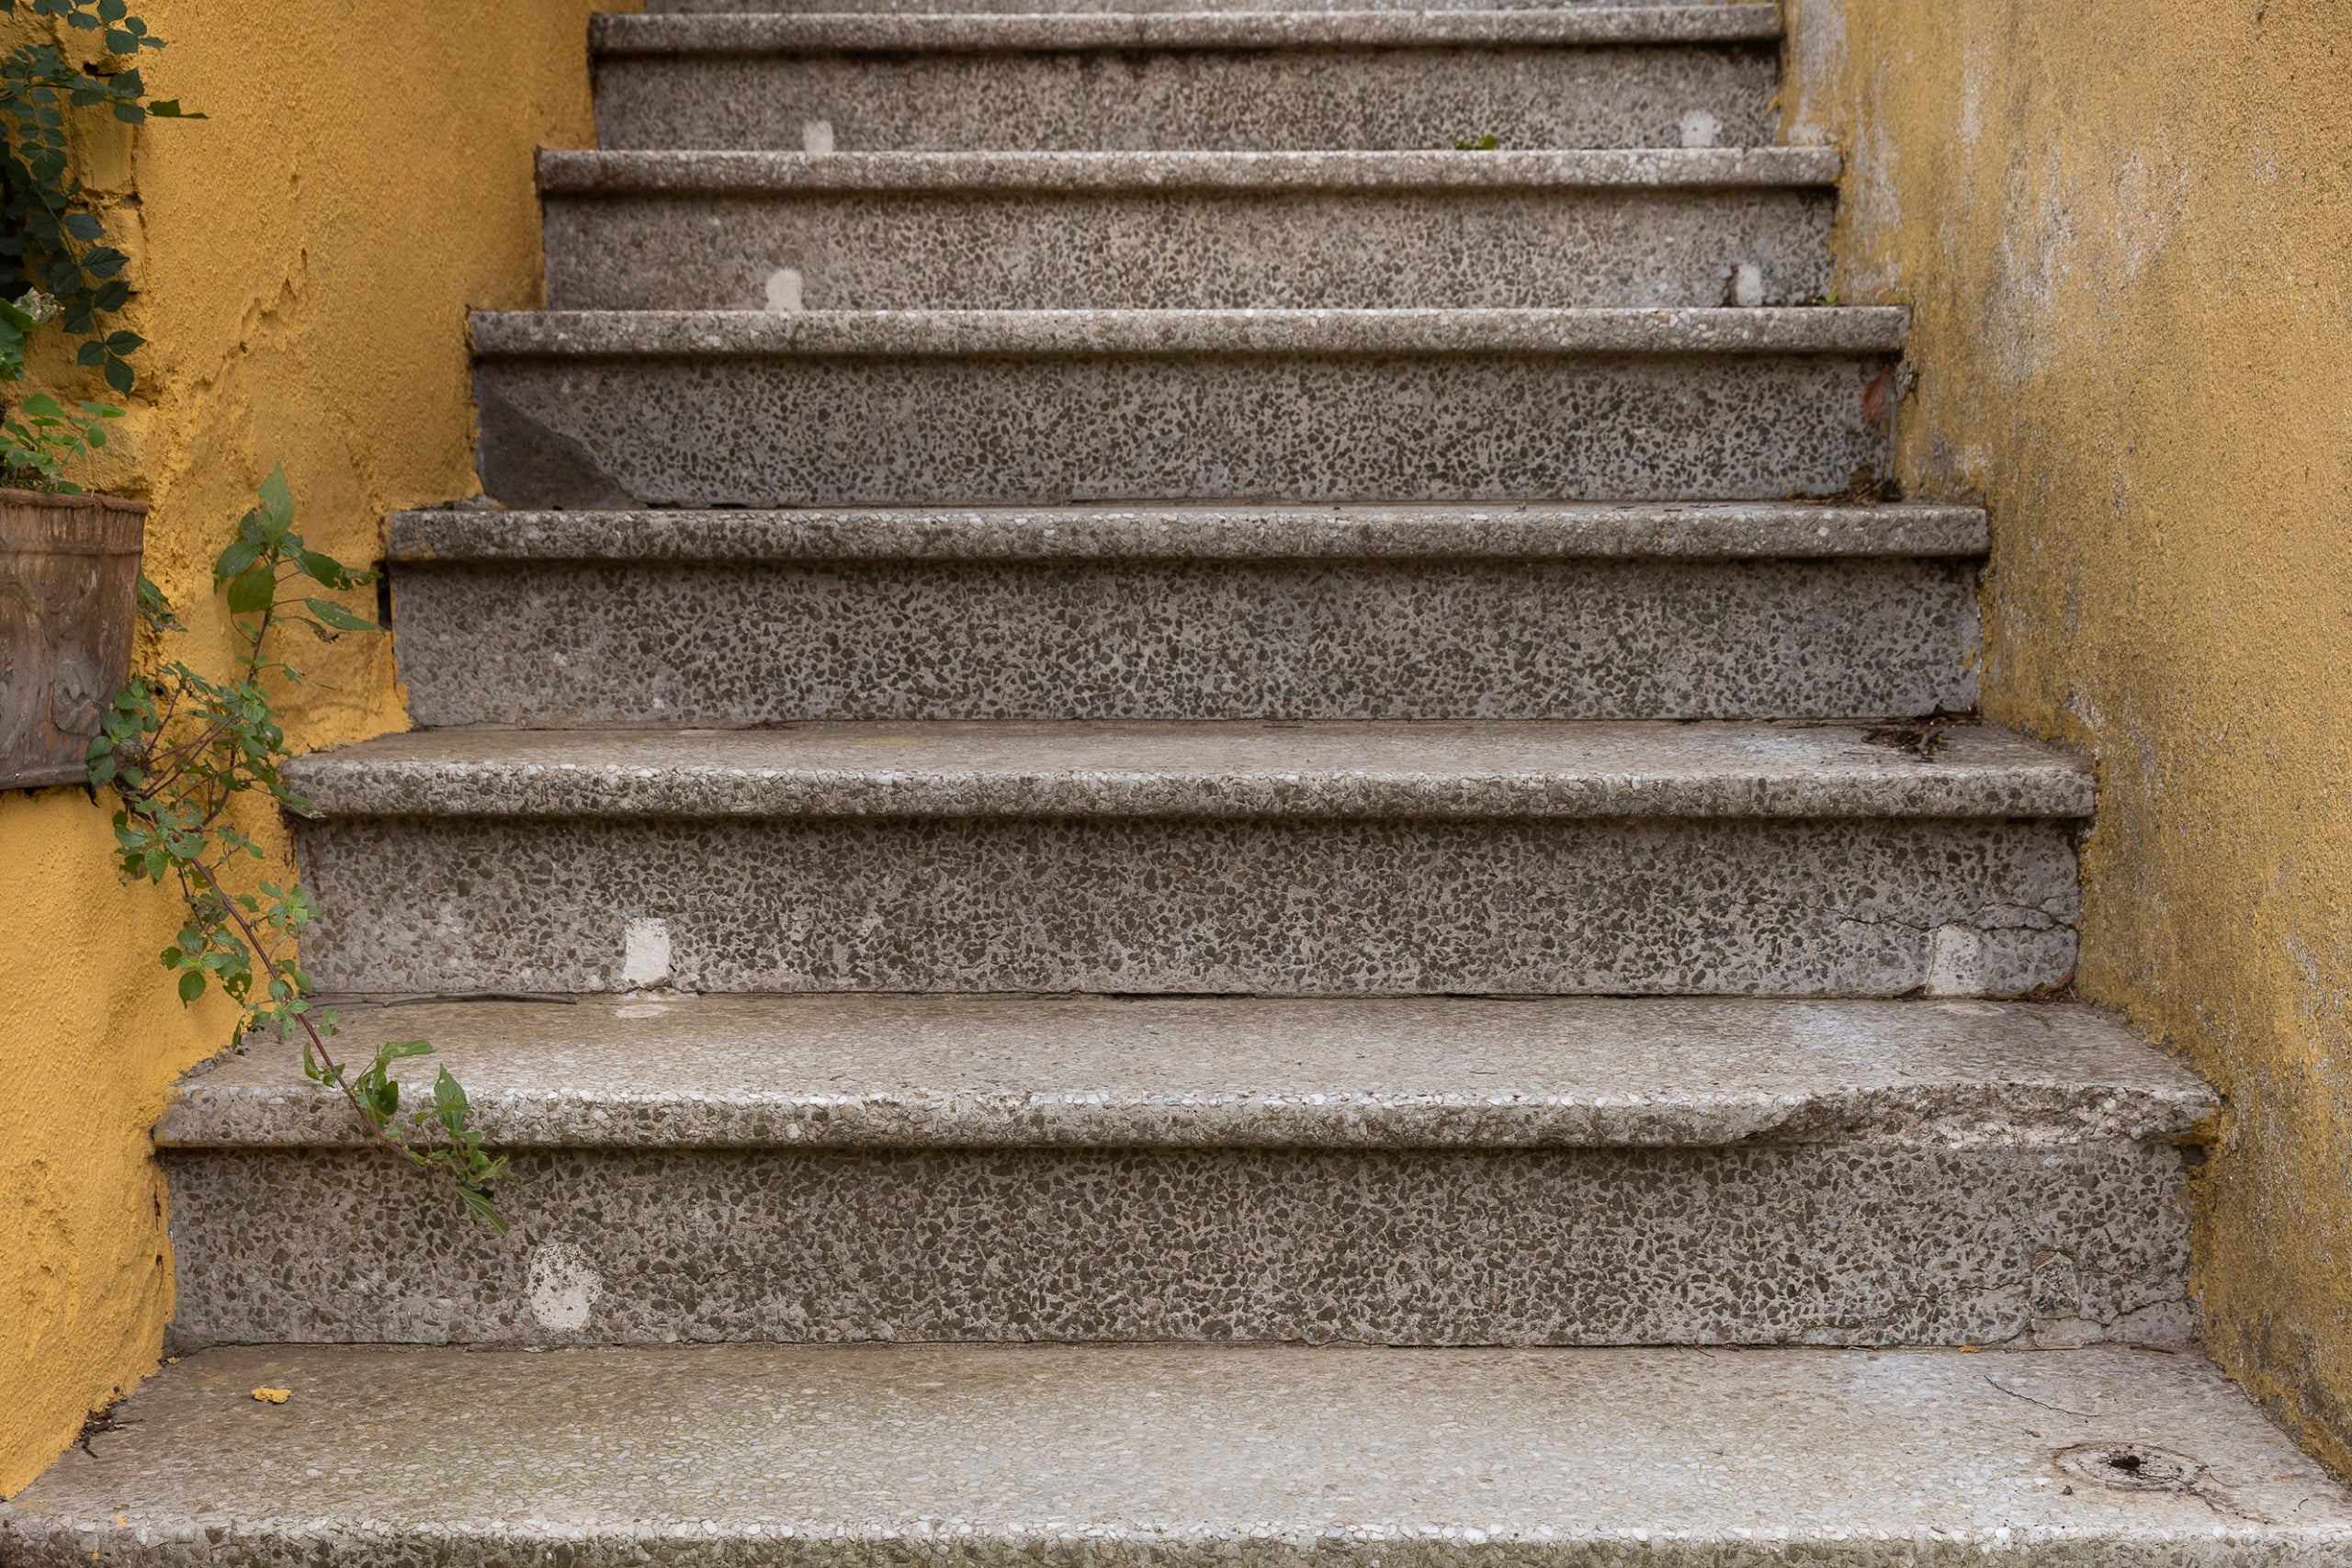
(69, 591)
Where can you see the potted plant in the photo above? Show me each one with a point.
(69, 590)
(69, 562)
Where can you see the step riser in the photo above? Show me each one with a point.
(1900, 1245)
(564, 643)
(1124, 7)
(1186, 250)
(1249, 100)
(814, 431)
(1804, 906)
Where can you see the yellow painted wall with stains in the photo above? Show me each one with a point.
(2124, 227)
(305, 258)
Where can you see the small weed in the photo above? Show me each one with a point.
(179, 747)
(1486, 143)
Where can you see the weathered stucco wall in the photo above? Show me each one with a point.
(305, 258)
(2125, 229)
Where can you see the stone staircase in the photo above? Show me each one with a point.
(1268, 781)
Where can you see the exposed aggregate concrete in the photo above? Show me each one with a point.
(878, 29)
(1829, 905)
(1502, 770)
(1186, 247)
(675, 1071)
(1842, 1244)
(1515, 531)
(1085, 82)
(1180, 1457)
(541, 642)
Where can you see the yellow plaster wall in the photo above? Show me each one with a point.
(2125, 229)
(305, 258)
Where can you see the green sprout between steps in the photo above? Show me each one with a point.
(179, 747)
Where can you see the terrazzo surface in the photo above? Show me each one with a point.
(1512, 531)
(542, 642)
(676, 427)
(1192, 770)
(1022, 1072)
(678, 30)
(1792, 908)
(1167, 241)
(1266, 80)
(1862, 1244)
(1177, 1455)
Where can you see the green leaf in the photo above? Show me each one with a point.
(338, 617)
(191, 984)
(277, 501)
(236, 560)
(253, 592)
(478, 1204)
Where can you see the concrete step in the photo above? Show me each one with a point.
(1185, 230)
(1653, 76)
(1184, 1456)
(1580, 1170)
(1656, 611)
(748, 408)
(1292, 859)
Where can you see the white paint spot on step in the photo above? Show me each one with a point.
(1700, 129)
(562, 1287)
(645, 953)
(1955, 963)
(1748, 286)
(816, 136)
(784, 291)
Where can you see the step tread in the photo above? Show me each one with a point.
(565, 173)
(1580, 330)
(1228, 1072)
(1661, 530)
(1070, 1454)
(1496, 767)
(752, 33)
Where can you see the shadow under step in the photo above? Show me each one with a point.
(1432, 1171)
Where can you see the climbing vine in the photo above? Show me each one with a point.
(54, 261)
(178, 748)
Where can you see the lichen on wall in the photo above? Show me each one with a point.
(2124, 227)
(304, 259)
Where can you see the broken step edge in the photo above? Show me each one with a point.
(1096, 1072)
